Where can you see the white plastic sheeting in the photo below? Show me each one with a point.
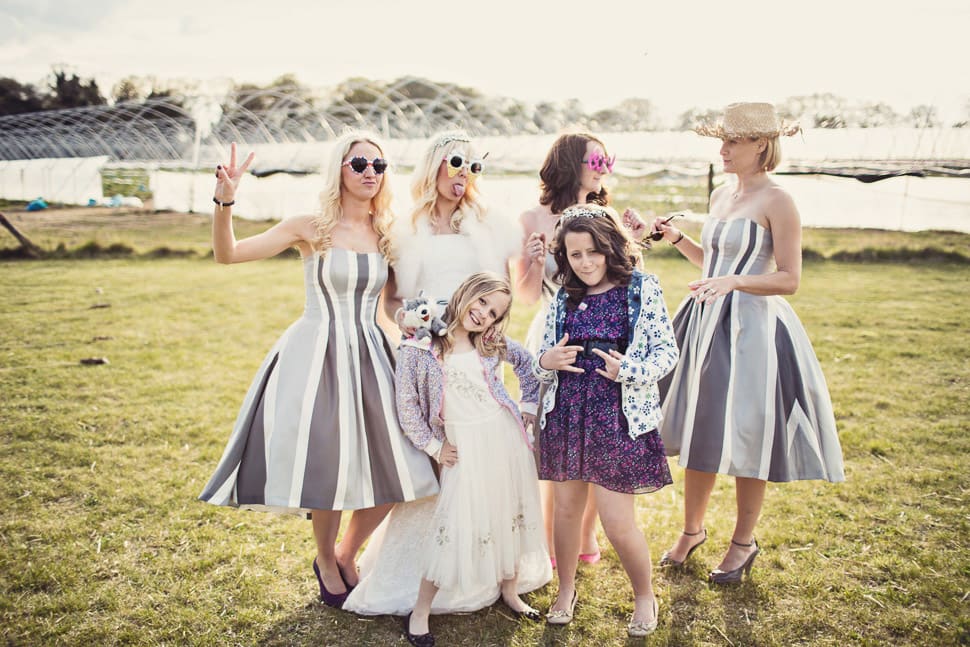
(906, 203)
(648, 151)
(898, 203)
(73, 180)
(269, 198)
(901, 203)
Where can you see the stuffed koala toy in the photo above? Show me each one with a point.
(421, 313)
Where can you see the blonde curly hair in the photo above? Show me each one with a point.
(330, 204)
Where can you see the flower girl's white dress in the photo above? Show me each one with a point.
(485, 525)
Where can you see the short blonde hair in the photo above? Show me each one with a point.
(330, 198)
(771, 155)
(424, 181)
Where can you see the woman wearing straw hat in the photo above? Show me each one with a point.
(748, 397)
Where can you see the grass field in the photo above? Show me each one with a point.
(103, 541)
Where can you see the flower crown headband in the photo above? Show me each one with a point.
(589, 212)
(447, 139)
(583, 212)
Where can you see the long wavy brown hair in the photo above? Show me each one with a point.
(609, 238)
(488, 342)
(561, 173)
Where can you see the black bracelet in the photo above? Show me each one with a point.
(223, 204)
(679, 239)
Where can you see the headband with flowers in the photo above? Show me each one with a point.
(583, 212)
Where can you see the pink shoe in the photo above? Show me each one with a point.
(552, 560)
(590, 558)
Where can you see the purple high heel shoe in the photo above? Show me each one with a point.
(335, 600)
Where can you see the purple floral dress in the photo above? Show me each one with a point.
(586, 436)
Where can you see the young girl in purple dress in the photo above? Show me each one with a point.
(607, 341)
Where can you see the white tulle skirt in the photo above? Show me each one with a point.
(484, 527)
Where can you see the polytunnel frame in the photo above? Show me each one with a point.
(164, 129)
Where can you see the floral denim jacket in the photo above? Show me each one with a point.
(651, 353)
(420, 386)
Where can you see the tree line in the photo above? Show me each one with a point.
(65, 89)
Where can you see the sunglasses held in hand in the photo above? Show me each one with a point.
(658, 235)
(359, 164)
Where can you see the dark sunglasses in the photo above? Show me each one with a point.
(359, 164)
(457, 160)
(658, 235)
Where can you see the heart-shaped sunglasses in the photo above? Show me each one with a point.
(359, 164)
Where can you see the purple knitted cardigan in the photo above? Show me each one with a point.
(420, 386)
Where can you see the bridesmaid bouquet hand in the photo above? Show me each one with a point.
(612, 362)
(228, 176)
(561, 357)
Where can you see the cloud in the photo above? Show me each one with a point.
(23, 20)
(701, 53)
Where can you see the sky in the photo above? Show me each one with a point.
(680, 54)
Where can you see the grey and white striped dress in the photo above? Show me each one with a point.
(318, 429)
(748, 397)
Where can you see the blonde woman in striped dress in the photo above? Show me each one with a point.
(748, 397)
(307, 440)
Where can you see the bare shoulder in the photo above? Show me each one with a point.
(303, 226)
(779, 205)
(721, 190)
(719, 194)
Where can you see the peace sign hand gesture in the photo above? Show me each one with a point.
(612, 361)
(228, 177)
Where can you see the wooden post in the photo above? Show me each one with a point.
(31, 249)
(710, 185)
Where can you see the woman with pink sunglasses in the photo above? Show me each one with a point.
(572, 173)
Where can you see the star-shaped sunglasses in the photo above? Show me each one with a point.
(600, 163)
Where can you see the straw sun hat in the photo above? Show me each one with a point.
(747, 120)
